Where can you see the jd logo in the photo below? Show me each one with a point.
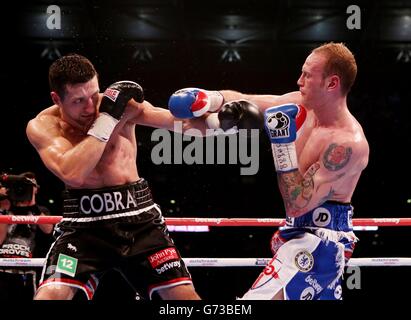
(321, 217)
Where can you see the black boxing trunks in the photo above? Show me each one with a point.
(113, 228)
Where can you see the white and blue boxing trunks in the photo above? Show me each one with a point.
(309, 256)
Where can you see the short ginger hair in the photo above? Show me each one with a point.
(341, 62)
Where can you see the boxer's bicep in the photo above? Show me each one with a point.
(267, 101)
(53, 153)
(338, 164)
(50, 145)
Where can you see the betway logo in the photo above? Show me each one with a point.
(208, 220)
(313, 282)
(387, 220)
(24, 219)
(163, 256)
(169, 265)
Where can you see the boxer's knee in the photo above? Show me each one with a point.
(55, 292)
(279, 295)
(180, 292)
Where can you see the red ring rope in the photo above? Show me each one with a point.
(216, 222)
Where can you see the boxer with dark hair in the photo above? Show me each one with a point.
(110, 219)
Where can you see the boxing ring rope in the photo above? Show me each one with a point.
(228, 262)
(217, 222)
(220, 222)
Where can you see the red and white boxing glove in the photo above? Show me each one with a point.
(189, 103)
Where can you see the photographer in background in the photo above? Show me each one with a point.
(18, 197)
(4, 203)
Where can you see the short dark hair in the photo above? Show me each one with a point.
(70, 69)
(31, 176)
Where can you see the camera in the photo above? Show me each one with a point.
(19, 187)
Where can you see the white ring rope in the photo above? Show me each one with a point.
(220, 262)
(228, 262)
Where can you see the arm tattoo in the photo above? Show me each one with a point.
(296, 189)
(336, 157)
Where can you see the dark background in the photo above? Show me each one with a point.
(249, 46)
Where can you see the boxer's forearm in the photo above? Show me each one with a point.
(75, 165)
(163, 119)
(297, 190)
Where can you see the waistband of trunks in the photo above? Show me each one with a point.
(114, 201)
(331, 215)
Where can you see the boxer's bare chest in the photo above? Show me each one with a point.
(118, 158)
(310, 145)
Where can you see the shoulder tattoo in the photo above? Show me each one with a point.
(336, 157)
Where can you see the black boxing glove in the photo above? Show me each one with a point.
(240, 114)
(112, 107)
